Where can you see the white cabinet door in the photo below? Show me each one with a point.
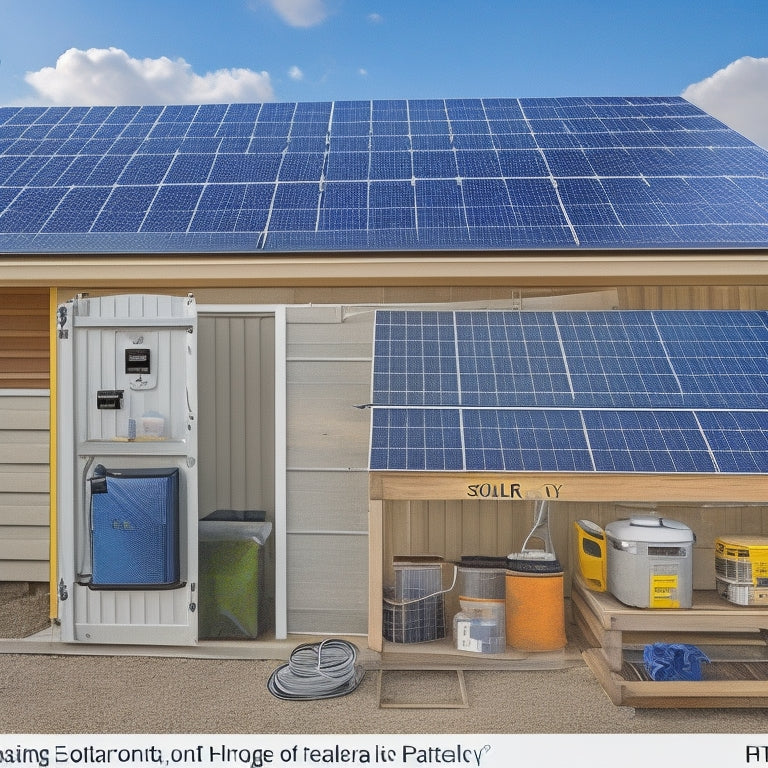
(126, 400)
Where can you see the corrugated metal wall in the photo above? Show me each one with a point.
(236, 406)
(24, 487)
(236, 395)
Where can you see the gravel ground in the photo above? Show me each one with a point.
(24, 609)
(128, 694)
(131, 695)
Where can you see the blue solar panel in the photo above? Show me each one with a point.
(525, 440)
(568, 173)
(620, 391)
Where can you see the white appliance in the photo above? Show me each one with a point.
(650, 562)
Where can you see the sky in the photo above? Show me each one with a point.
(82, 52)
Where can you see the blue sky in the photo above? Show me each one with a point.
(175, 51)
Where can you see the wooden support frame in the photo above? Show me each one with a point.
(463, 703)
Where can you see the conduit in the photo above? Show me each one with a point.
(323, 670)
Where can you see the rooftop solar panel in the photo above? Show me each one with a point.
(606, 172)
(620, 391)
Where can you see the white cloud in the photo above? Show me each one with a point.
(737, 95)
(375, 18)
(362, 72)
(300, 13)
(295, 73)
(111, 76)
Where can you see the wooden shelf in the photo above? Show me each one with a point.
(443, 654)
(614, 628)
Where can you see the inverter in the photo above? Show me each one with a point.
(650, 562)
(134, 527)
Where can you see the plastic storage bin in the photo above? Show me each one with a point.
(231, 575)
(482, 578)
(480, 626)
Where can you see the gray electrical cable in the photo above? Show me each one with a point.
(321, 670)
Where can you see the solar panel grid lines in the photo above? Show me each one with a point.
(528, 173)
(619, 391)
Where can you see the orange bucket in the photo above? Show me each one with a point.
(535, 611)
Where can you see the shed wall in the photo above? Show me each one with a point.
(24, 437)
(24, 332)
(328, 374)
(24, 487)
(236, 396)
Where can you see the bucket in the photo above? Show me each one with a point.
(535, 610)
(481, 582)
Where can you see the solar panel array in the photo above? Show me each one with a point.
(379, 175)
(622, 391)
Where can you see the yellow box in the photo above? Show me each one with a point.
(742, 560)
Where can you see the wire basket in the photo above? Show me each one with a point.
(414, 609)
(414, 621)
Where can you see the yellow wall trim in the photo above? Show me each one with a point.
(54, 603)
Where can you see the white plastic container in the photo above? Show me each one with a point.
(650, 562)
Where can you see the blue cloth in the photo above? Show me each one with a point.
(673, 661)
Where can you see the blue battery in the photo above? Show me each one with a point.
(135, 527)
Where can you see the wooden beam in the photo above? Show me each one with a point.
(375, 574)
(494, 268)
(569, 486)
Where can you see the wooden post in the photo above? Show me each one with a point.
(375, 573)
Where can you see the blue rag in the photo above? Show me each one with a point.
(673, 661)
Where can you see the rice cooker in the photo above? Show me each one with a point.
(650, 562)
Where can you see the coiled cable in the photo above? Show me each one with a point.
(321, 670)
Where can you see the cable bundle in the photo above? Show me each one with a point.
(322, 670)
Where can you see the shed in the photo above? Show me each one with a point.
(293, 223)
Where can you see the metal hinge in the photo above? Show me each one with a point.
(63, 332)
(63, 594)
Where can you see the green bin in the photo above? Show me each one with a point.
(231, 575)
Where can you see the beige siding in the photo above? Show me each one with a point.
(328, 374)
(24, 488)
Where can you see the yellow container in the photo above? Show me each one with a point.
(742, 560)
(591, 554)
